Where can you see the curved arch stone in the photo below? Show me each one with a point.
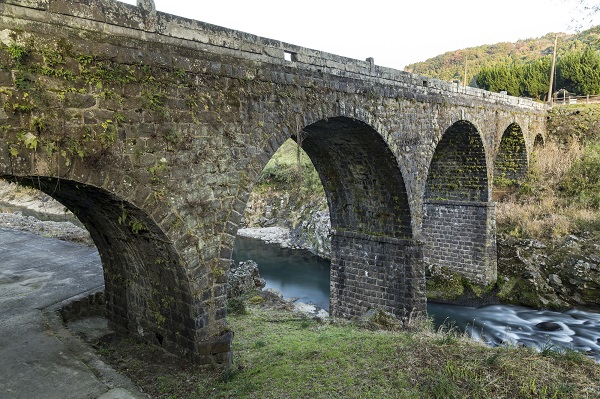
(375, 263)
(147, 288)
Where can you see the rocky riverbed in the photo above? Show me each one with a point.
(15, 201)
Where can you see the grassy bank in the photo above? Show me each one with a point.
(561, 193)
(279, 354)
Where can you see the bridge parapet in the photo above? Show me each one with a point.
(109, 16)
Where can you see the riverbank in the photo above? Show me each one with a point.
(278, 353)
(30, 210)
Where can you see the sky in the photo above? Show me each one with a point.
(394, 32)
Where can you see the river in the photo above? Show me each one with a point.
(301, 275)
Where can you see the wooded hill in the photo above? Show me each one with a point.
(496, 58)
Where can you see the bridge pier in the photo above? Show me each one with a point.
(461, 236)
(370, 272)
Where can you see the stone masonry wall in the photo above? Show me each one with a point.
(369, 272)
(462, 238)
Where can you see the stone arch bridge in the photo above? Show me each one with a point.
(153, 128)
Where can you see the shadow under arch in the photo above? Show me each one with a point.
(374, 261)
(146, 289)
(512, 162)
(538, 141)
(458, 168)
(458, 221)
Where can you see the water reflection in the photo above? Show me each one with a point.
(302, 275)
(296, 274)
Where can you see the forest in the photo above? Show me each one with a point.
(523, 68)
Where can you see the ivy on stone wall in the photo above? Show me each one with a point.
(458, 170)
(511, 162)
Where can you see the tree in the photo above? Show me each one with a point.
(579, 72)
(499, 77)
(534, 78)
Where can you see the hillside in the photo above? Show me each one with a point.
(451, 65)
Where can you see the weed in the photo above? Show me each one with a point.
(229, 374)
(236, 306)
(17, 52)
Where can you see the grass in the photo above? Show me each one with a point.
(278, 354)
(561, 193)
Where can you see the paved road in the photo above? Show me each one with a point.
(39, 358)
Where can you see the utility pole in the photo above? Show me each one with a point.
(465, 78)
(552, 71)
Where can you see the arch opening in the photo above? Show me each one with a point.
(538, 141)
(458, 221)
(458, 170)
(361, 178)
(146, 290)
(374, 261)
(511, 162)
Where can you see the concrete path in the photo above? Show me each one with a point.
(39, 357)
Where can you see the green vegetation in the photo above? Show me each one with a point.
(290, 184)
(280, 354)
(523, 68)
(290, 169)
(577, 72)
(581, 182)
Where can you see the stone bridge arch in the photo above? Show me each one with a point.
(375, 261)
(512, 157)
(148, 283)
(458, 219)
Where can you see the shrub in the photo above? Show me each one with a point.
(581, 183)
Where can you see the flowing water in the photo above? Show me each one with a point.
(302, 275)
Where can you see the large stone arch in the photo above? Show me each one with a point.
(147, 289)
(375, 262)
(458, 219)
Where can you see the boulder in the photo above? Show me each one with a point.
(548, 326)
(244, 277)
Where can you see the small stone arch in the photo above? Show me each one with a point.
(147, 291)
(458, 168)
(512, 161)
(538, 141)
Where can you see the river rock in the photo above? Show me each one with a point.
(554, 280)
(548, 326)
(244, 277)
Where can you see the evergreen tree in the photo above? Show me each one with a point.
(535, 78)
(579, 72)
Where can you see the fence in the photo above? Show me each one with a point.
(566, 100)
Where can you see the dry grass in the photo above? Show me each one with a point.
(537, 209)
(553, 160)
